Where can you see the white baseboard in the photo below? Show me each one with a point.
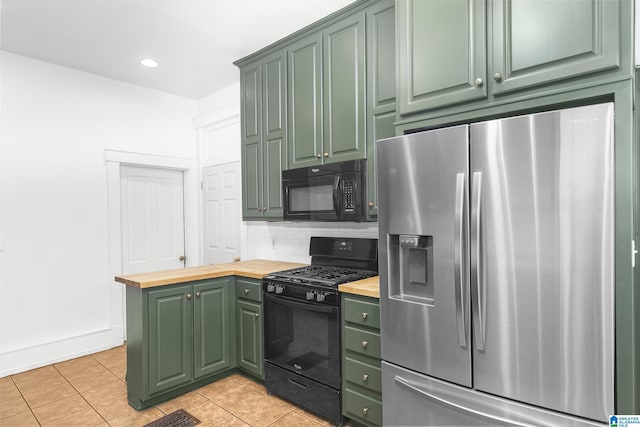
(36, 356)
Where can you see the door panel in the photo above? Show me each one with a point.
(422, 183)
(152, 203)
(305, 102)
(442, 53)
(170, 342)
(543, 41)
(250, 351)
(544, 184)
(211, 327)
(221, 213)
(251, 181)
(344, 90)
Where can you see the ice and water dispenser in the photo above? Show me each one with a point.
(411, 268)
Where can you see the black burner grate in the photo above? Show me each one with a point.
(179, 418)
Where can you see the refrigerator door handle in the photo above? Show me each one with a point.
(476, 261)
(459, 258)
(492, 418)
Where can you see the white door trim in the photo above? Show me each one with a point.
(113, 160)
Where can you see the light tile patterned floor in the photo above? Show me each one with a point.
(91, 391)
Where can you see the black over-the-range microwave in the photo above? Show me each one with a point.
(331, 192)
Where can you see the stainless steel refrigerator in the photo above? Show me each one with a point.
(497, 271)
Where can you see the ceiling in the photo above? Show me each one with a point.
(195, 41)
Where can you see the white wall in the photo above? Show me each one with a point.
(57, 297)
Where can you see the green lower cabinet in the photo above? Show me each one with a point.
(361, 366)
(249, 343)
(179, 337)
(170, 340)
(250, 350)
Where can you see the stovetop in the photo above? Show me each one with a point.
(321, 275)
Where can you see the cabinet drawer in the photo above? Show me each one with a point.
(249, 289)
(362, 408)
(364, 374)
(362, 312)
(363, 342)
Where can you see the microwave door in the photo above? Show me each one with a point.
(313, 199)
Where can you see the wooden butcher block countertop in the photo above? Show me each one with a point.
(256, 269)
(369, 287)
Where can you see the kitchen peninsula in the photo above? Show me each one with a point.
(192, 326)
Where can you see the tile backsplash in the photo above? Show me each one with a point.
(289, 241)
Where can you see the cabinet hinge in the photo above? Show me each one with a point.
(634, 252)
(202, 185)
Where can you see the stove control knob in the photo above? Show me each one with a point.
(311, 295)
(320, 297)
(270, 287)
(279, 289)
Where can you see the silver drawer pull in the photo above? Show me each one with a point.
(365, 344)
(246, 291)
(364, 315)
(188, 296)
(365, 411)
(365, 378)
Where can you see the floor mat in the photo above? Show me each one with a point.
(179, 418)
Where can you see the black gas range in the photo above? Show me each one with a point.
(302, 322)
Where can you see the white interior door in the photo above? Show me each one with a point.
(152, 203)
(222, 214)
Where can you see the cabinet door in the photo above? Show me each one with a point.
(344, 90)
(252, 180)
(170, 342)
(381, 89)
(212, 326)
(250, 350)
(536, 42)
(441, 53)
(304, 113)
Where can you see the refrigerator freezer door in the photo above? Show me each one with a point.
(411, 399)
(423, 192)
(542, 273)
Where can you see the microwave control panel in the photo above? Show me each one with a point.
(348, 201)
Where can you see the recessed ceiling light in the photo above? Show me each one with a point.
(148, 62)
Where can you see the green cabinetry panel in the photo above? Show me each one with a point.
(441, 53)
(327, 95)
(305, 101)
(263, 129)
(536, 42)
(381, 89)
(211, 327)
(170, 346)
(361, 366)
(454, 52)
(344, 90)
(249, 342)
(178, 338)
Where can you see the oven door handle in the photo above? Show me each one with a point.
(302, 305)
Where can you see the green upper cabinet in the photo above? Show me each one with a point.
(170, 342)
(537, 42)
(441, 53)
(456, 51)
(305, 101)
(327, 95)
(381, 89)
(263, 129)
(344, 90)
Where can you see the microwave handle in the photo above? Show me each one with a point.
(336, 195)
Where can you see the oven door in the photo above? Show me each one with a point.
(303, 337)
